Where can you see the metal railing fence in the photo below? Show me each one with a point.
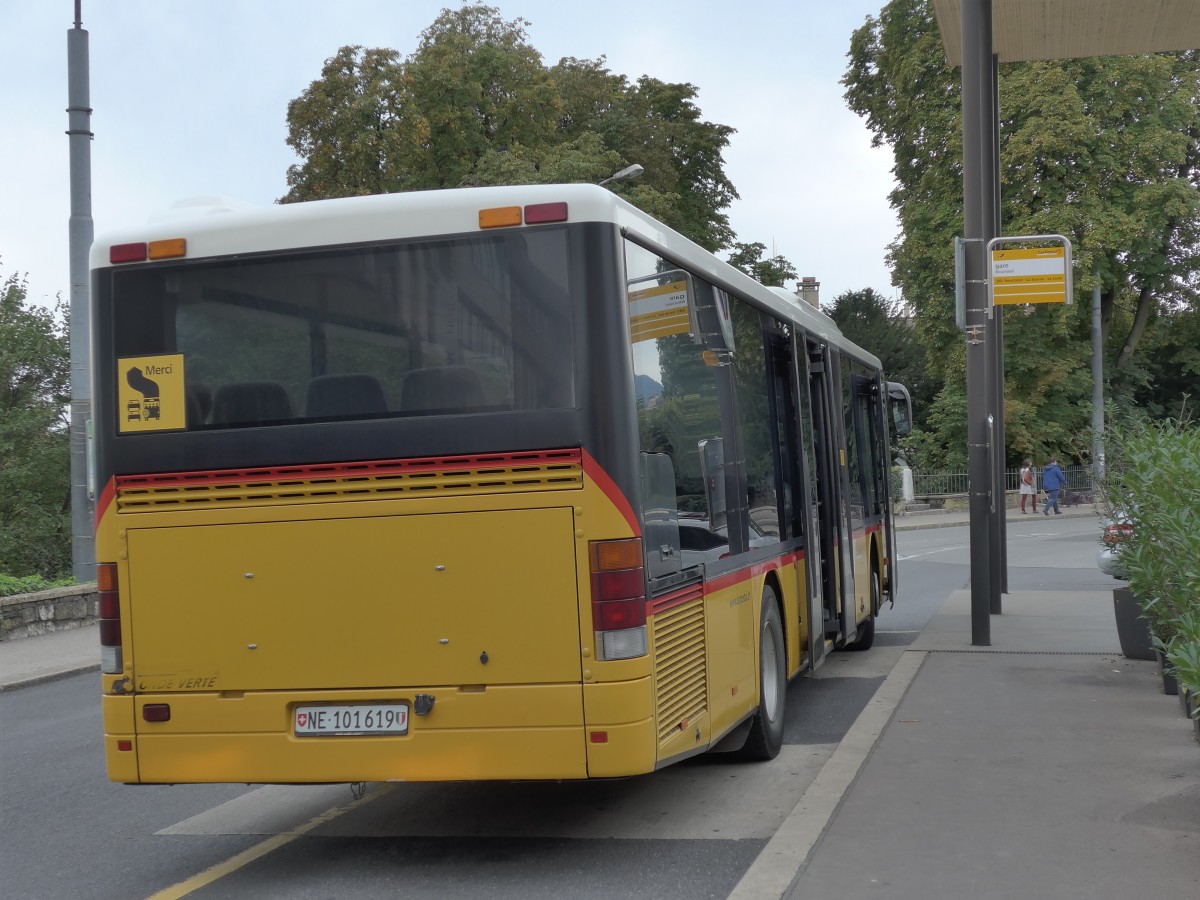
(947, 484)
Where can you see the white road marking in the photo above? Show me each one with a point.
(262, 848)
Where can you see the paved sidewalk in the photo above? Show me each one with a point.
(1044, 766)
(48, 656)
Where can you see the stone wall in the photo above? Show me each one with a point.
(58, 609)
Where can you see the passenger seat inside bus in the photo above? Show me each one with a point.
(248, 402)
(441, 387)
(349, 394)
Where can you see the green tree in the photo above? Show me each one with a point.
(346, 127)
(773, 272)
(35, 448)
(1103, 150)
(867, 318)
(475, 104)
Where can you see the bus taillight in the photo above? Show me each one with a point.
(619, 598)
(109, 619)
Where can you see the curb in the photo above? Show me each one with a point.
(906, 523)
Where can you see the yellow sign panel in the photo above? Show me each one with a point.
(658, 311)
(150, 393)
(1037, 275)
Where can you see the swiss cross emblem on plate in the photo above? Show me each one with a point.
(302, 719)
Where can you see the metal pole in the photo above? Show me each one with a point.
(79, 114)
(977, 220)
(1097, 386)
(1000, 515)
(990, 214)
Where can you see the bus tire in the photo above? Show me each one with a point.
(866, 630)
(766, 728)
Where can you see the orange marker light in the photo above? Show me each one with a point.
(168, 249)
(609, 556)
(500, 217)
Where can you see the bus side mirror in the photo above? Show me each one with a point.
(901, 407)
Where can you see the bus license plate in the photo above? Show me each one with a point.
(329, 721)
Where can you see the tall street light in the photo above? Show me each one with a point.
(627, 174)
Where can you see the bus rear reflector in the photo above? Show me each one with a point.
(122, 253)
(156, 712)
(109, 618)
(537, 213)
(500, 217)
(618, 598)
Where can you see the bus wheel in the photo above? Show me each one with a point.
(866, 631)
(766, 728)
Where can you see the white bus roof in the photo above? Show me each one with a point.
(216, 226)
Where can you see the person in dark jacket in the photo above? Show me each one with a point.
(1053, 481)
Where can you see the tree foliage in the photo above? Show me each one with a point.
(1103, 150)
(774, 272)
(35, 462)
(475, 104)
(867, 318)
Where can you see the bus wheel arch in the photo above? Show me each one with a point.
(866, 629)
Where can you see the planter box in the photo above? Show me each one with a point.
(1170, 684)
(1133, 631)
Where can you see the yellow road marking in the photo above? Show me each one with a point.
(261, 849)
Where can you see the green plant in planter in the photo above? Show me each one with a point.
(1154, 477)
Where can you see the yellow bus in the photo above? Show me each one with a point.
(495, 483)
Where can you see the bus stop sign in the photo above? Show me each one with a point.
(1039, 274)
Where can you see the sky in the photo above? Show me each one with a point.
(189, 97)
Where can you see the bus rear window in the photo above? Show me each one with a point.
(470, 325)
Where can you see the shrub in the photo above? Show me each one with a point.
(1154, 475)
(10, 584)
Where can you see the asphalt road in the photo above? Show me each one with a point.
(689, 831)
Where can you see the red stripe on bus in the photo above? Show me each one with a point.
(104, 501)
(753, 570)
(674, 598)
(608, 487)
(316, 471)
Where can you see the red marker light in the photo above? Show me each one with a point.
(538, 213)
(123, 253)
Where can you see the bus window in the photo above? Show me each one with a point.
(474, 324)
(754, 391)
(676, 381)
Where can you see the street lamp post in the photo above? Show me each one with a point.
(627, 174)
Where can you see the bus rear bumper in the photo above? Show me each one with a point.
(513, 732)
(514, 753)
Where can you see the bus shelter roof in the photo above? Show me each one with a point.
(1062, 29)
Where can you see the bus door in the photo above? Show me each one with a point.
(794, 529)
(820, 484)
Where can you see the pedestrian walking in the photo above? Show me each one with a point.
(1028, 485)
(1053, 481)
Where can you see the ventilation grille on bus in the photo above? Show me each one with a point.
(680, 687)
(547, 470)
